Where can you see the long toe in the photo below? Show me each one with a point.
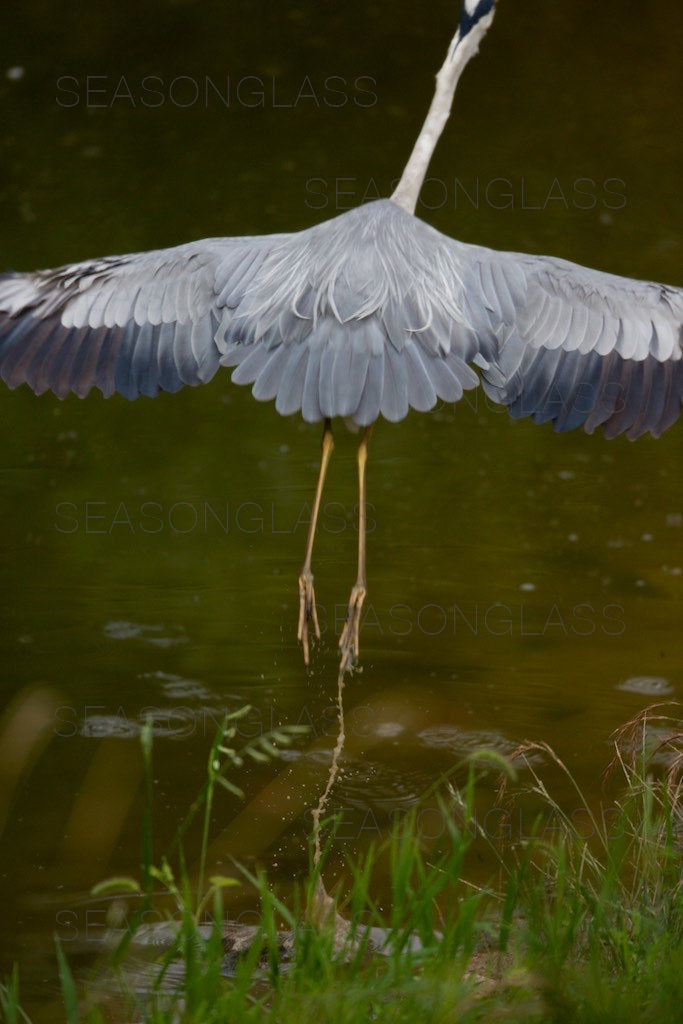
(349, 644)
(307, 612)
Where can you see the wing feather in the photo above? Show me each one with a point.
(371, 399)
(153, 320)
(579, 346)
(421, 390)
(267, 383)
(291, 386)
(373, 311)
(310, 400)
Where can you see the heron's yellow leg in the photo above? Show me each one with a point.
(307, 612)
(348, 642)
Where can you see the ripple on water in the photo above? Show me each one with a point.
(174, 723)
(383, 786)
(177, 687)
(464, 741)
(650, 686)
(121, 630)
(119, 726)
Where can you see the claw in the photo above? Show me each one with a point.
(348, 642)
(307, 612)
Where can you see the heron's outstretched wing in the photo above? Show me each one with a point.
(371, 312)
(136, 324)
(576, 346)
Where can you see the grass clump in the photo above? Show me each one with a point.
(582, 929)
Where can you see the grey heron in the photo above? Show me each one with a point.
(370, 313)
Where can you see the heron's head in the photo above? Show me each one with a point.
(472, 12)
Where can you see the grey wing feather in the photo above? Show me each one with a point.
(421, 390)
(291, 384)
(373, 311)
(371, 398)
(267, 383)
(135, 324)
(321, 321)
(395, 391)
(575, 346)
(354, 317)
(371, 296)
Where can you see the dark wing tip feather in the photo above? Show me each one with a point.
(127, 324)
(580, 347)
(569, 389)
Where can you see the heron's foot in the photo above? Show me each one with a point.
(307, 612)
(348, 642)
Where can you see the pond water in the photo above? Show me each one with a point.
(522, 584)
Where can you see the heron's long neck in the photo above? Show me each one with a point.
(461, 50)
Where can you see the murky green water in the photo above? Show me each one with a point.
(522, 584)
